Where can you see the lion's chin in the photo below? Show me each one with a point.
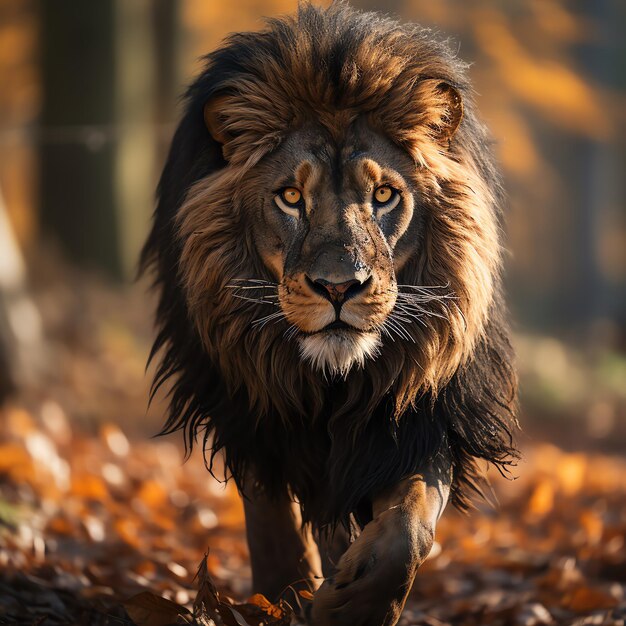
(336, 352)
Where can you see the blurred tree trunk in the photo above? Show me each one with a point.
(77, 130)
(108, 71)
(169, 77)
(599, 292)
(11, 278)
(20, 326)
(135, 94)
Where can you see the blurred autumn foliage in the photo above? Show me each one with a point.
(94, 512)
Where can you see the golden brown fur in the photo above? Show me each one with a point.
(461, 245)
(446, 384)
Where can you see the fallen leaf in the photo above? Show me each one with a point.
(207, 597)
(542, 499)
(586, 599)
(260, 610)
(148, 609)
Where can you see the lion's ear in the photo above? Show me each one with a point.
(448, 110)
(215, 119)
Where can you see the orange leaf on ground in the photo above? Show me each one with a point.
(13, 458)
(259, 611)
(148, 609)
(586, 599)
(152, 494)
(279, 613)
(89, 487)
(542, 499)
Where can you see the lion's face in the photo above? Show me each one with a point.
(330, 226)
(363, 222)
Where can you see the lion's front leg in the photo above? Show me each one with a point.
(282, 553)
(375, 574)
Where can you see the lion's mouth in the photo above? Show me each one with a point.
(336, 325)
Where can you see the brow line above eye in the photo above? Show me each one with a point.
(371, 170)
(382, 177)
(299, 179)
(303, 173)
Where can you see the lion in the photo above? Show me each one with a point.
(327, 250)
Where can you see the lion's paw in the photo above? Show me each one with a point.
(374, 576)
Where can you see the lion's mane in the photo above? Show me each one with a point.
(449, 391)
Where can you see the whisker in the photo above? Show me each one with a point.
(387, 332)
(415, 302)
(250, 287)
(431, 313)
(400, 330)
(426, 313)
(414, 316)
(268, 317)
(401, 316)
(396, 329)
(425, 297)
(421, 306)
(277, 315)
(255, 300)
(291, 332)
(402, 297)
(425, 287)
(254, 280)
(458, 308)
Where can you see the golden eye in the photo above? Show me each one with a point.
(383, 194)
(291, 195)
(289, 200)
(385, 199)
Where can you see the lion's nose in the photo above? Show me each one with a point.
(337, 293)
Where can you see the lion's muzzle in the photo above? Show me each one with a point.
(338, 304)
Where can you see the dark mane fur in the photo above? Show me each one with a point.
(309, 442)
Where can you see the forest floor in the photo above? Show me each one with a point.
(89, 521)
(94, 511)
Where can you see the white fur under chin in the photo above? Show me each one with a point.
(337, 352)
